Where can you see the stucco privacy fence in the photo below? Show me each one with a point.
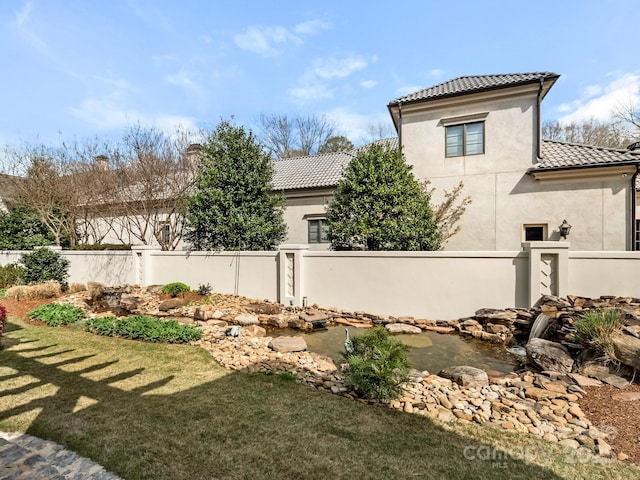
(437, 285)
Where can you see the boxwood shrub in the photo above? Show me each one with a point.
(56, 314)
(143, 327)
(176, 288)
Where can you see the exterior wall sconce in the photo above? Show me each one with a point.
(565, 228)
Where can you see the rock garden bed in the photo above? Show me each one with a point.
(544, 401)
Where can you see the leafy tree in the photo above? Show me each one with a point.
(379, 205)
(232, 206)
(21, 229)
(336, 143)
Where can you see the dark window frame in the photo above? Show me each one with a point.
(465, 146)
(321, 235)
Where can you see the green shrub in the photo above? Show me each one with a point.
(378, 364)
(142, 327)
(55, 314)
(595, 328)
(176, 288)
(11, 274)
(45, 265)
(204, 289)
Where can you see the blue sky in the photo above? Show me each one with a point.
(80, 68)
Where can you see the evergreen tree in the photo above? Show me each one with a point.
(232, 206)
(379, 205)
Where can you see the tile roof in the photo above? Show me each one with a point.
(316, 171)
(559, 155)
(472, 84)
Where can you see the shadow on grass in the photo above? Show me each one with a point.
(242, 426)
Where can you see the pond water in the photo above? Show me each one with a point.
(427, 351)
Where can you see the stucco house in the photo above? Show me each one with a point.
(484, 130)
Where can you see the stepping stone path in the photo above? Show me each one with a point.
(23, 457)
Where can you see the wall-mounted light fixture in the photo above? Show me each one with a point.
(565, 228)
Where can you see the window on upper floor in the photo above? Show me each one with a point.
(637, 239)
(465, 139)
(318, 230)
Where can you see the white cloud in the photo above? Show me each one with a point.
(182, 79)
(314, 84)
(435, 73)
(599, 102)
(108, 114)
(334, 67)
(368, 83)
(310, 92)
(311, 27)
(263, 40)
(23, 15)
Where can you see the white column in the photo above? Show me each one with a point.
(291, 268)
(548, 269)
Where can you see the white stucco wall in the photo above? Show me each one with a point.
(299, 207)
(504, 198)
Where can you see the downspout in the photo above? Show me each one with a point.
(634, 232)
(400, 124)
(539, 121)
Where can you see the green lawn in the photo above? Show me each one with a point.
(166, 411)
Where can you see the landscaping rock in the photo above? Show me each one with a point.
(466, 376)
(288, 344)
(172, 303)
(265, 308)
(627, 349)
(246, 319)
(604, 374)
(130, 303)
(548, 355)
(203, 312)
(254, 331)
(402, 328)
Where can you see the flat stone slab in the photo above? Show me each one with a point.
(173, 303)
(246, 319)
(466, 376)
(288, 344)
(402, 328)
(313, 316)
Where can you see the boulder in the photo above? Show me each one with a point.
(354, 322)
(548, 355)
(203, 312)
(130, 303)
(627, 349)
(466, 376)
(265, 308)
(288, 344)
(254, 331)
(603, 373)
(172, 303)
(313, 315)
(246, 319)
(402, 328)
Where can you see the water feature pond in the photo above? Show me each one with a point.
(427, 351)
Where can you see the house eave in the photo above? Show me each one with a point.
(619, 171)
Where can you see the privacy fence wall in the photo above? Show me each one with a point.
(436, 285)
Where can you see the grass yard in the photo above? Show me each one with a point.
(165, 411)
